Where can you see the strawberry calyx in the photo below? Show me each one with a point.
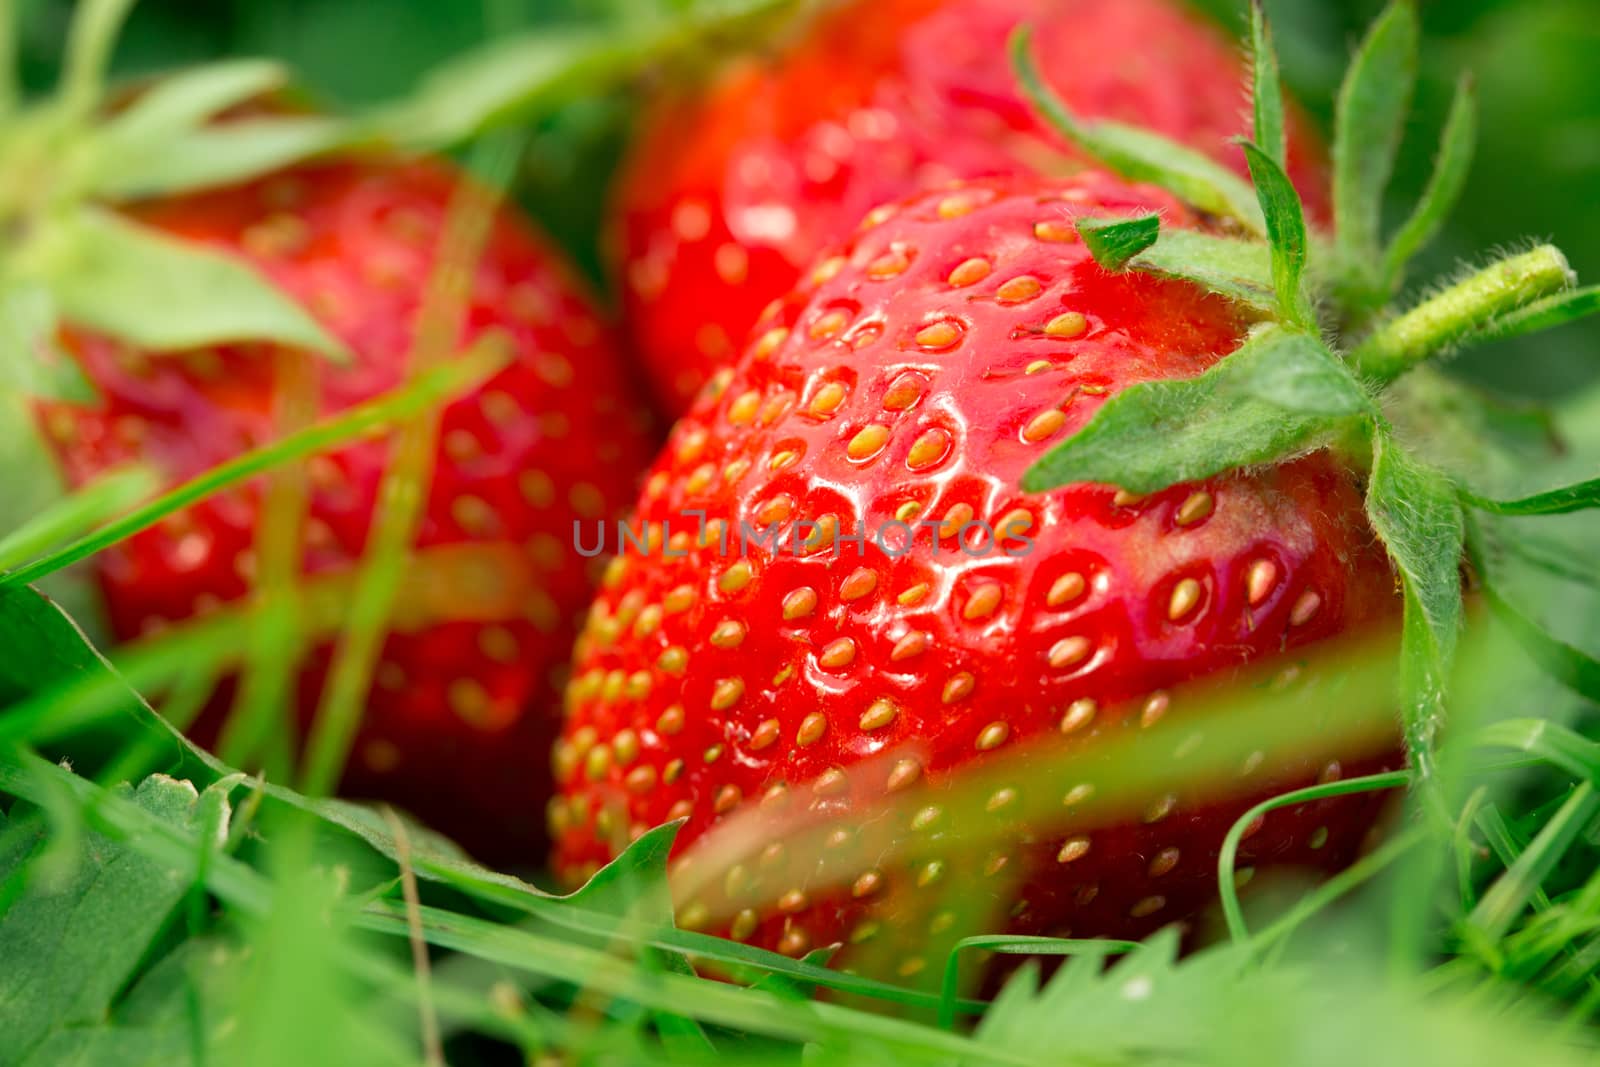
(1316, 370)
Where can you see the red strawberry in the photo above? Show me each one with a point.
(914, 378)
(464, 689)
(730, 193)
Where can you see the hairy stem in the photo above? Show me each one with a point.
(1439, 323)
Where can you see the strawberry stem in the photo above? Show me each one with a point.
(1438, 324)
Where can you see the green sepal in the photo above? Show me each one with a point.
(1449, 177)
(168, 142)
(160, 293)
(493, 86)
(1240, 412)
(31, 362)
(1266, 90)
(188, 99)
(91, 37)
(1138, 154)
(208, 157)
(1373, 103)
(1286, 233)
(1416, 512)
(1114, 242)
(1238, 270)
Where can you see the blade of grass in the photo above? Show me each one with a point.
(1232, 913)
(76, 515)
(262, 704)
(403, 493)
(1513, 891)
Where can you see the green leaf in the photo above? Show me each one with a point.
(1369, 122)
(90, 39)
(43, 647)
(70, 949)
(1138, 154)
(1416, 512)
(635, 883)
(212, 156)
(510, 78)
(166, 294)
(1266, 92)
(191, 98)
(1156, 434)
(1136, 1011)
(792, 988)
(1552, 311)
(185, 996)
(1571, 666)
(1286, 232)
(1567, 499)
(1449, 177)
(1113, 242)
(31, 363)
(1238, 270)
(1017, 945)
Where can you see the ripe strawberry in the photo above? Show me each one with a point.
(463, 690)
(912, 378)
(731, 193)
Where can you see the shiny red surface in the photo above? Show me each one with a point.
(735, 187)
(697, 685)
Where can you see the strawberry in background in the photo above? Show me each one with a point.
(734, 186)
(460, 712)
